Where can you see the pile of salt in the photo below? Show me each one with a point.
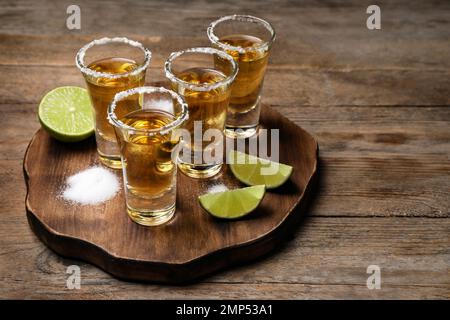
(217, 188)
(91, 186)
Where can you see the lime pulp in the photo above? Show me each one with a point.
(66, 114)
(252, 170)
(233, 204)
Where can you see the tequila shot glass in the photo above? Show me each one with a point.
(248, 40)
(111, 65)
(206, 87)
(148, 141)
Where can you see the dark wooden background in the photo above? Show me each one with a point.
(377, 101)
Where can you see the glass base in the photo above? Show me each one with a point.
(151, 218)
(199, 170)
(240, 133)
(111, 162)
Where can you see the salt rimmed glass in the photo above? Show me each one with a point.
(203, 76)
(249, 40)
(148, 138)
(111, 65)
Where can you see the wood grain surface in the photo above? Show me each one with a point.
(377, 102)
(191, 245)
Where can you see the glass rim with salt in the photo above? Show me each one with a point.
(178, 120)
(206, 51)
(215, 39)
(84, 68)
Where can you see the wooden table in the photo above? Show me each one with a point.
(377, 101)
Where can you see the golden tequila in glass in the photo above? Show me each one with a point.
(248, 40)
(105, 76)
(206, 89)
(209, 106)
(147, 140)
(252, 67)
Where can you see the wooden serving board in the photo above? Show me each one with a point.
(191, 245)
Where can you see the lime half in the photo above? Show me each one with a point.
(252, 170)
(232, 204)
(66, 114)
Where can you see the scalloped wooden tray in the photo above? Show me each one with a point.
(190, 246)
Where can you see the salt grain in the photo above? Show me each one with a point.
(217, 188)
(91, 186)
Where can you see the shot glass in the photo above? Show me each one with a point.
(248, 40)
(148, 142)
(206, 87)
(111, 65)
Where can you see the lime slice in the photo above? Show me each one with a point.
(66, 114)
(252, 170)
(232, 204)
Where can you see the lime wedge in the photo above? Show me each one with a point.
(252, 170)
(66, 114)
(232, 204)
